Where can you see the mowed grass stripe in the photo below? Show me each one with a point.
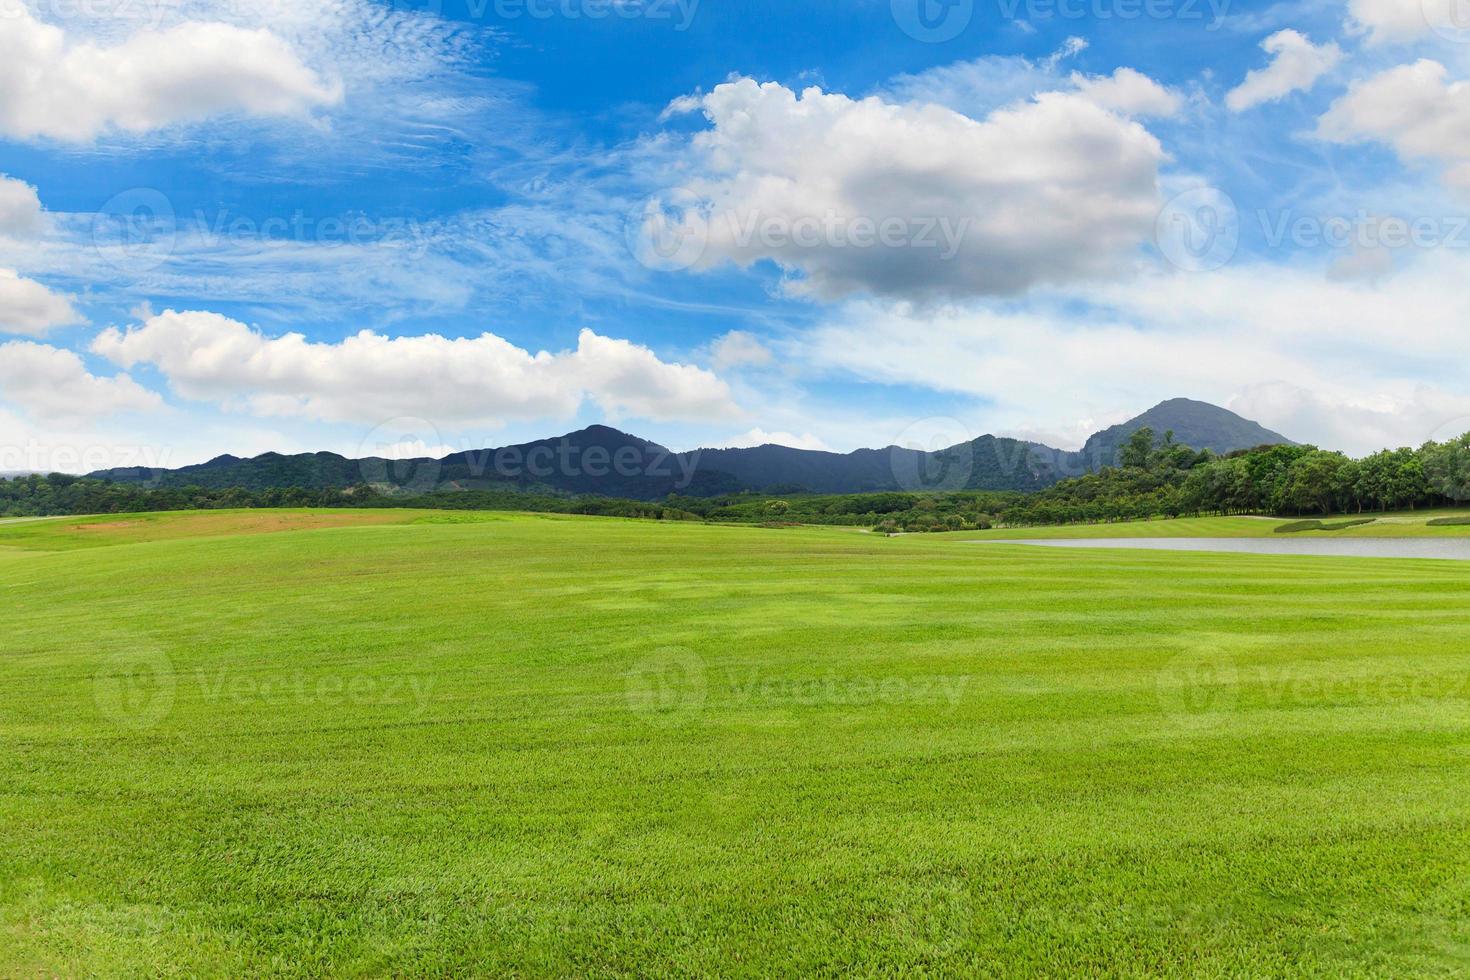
(639, 748)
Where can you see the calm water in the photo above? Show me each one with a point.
(1456, 548)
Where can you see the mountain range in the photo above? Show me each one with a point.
(602, 460)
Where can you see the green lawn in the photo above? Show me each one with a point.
(1397, 524)
(536, 745)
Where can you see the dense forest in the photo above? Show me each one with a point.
(1155, 477)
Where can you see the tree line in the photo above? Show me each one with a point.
(1157, 477)
(1154, 477)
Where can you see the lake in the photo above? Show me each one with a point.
(1452, 548)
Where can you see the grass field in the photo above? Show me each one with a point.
(394, 743)
(1397, 524)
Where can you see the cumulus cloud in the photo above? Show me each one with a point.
(1413, 415)
(20, 209)
(27, 307)
(1129, 92)
(1412, 108)
(1296, 64)
(1389, 21)
(56, 86)
(916, 201)
(1117, 348)
(51, 384)
(369, 377)
(738, 349)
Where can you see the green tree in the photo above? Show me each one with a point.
(1447, 467)
(1135, 452)
(1311, 482)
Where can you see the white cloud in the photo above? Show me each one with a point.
(1389, 21)
(978, 87)
(51, 384)
(1118, 348)
(20, 209)
(760, 437)
(1411, 108)
(56, 86)
(1129, 92)
(1296, 65)
(1051, 190)
(1412, 415)
(27, 307)
(738, 349)
(973, 88)
(370, 378)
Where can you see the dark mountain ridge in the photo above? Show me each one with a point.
(604, 461)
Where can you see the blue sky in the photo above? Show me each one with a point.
(370, 227)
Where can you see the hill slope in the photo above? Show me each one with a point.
(605, 461)
(1197, 424)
